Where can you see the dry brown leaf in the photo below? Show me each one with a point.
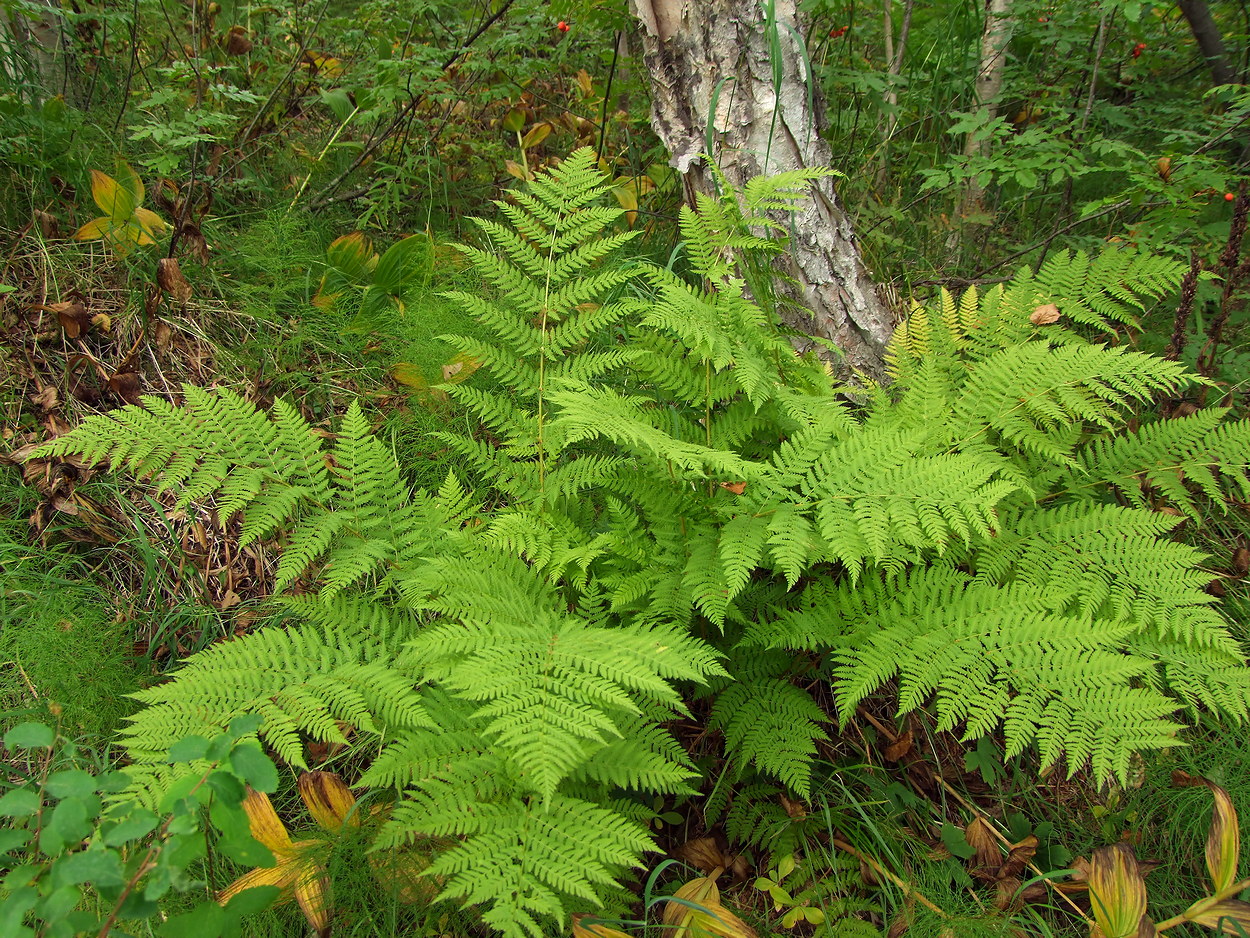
(46, 398)
(169, 276)
(1163, 166)
(737, 488)
(793, 808)
(1241, 561)
(126, 385)
(163, 335)
(236, 42)
(899, 748)
(1045, 315)
(985, 862)
(1018, 858)
(71, 314)
(49, 227)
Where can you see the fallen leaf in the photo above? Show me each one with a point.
(126, 385)
(1045, 315)
(1241, 561)
(987, 858)
(737, 488)
(46, 398)
(900, 747)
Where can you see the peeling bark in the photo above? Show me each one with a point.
(701, 52)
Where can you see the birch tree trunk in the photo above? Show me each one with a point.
(989, 81)
(767, 110)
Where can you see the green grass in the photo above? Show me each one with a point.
(64, 652)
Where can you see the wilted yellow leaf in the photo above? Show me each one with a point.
(594, 929)
(584, 82)
(1230, 917)
(701, 914)
(1224, 839)
(1117, 894)
(516, 169)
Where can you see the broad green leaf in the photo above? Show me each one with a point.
(188, 749)
(254, 767)
(98, 867)
(29, 736)
(20, 802)
(70, 783)
(399, 265)
(138, 824)
(352, 255)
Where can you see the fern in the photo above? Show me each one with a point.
(679, 504)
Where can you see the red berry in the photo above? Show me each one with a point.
(562, 26)
(1228, 196)
(1138, 50)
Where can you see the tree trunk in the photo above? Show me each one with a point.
(989, 82)
(1198, 15)
(33, 45)
(702, 53)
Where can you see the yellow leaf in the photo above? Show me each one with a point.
(1117, 894)
(535, 135)
(1229, 917)
(152, 222)
(265, 824)
(312, 892)
(702, 914)
(1224, 839)
(629, 201)
(515, 169)
(329, 800)
(284, 876)
(96, 228)
(584, 83)
(114, 200)
(594, 929)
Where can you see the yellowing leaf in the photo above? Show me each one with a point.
(1230, 917)
(516, 169)
(312, 892)
(150, 221)
(264, 823)
(1224, 839)
(329, 800)
(115, 201)
(584, 83)
(701, 914)
(409, 374)
(353, 256)
(1117, 894)
(459, 368)
(594, 929)
(96, 228)
(535, 135)
(513, 121)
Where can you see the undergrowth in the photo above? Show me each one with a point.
(676, 506)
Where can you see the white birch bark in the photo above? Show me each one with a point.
(701, 52)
